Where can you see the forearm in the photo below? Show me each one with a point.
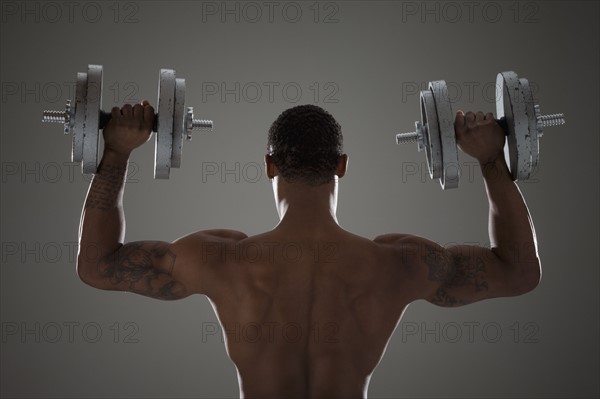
(102, 225)
(511, 231)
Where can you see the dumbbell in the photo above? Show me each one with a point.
(519, 117)
(84, 119)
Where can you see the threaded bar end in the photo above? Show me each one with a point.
(405, 138)
(551, 120)
(202, 124)
(54, 116)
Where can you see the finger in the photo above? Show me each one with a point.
(138, 111)
(479, 117)
(489, 116)
(115, 112)
(126, 110)
(459, 122)
(145, 103)
(149, 117)
(470, 120)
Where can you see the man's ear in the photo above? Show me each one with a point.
(342, 165)
(270, 167)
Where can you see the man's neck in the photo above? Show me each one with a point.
(304, 207)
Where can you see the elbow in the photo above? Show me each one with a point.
(528, 277)
(530, 283)
(85, 272)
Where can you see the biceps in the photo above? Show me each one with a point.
(467, 274)
(144, 267)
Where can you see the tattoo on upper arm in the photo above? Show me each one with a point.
(454, 271)
(146, 268)
(440, 264)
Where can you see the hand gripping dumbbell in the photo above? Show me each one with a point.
(84, 119)
(519, 117)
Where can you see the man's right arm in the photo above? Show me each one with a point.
(157, 269)
(463, 274)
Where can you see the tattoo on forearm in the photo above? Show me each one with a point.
(107, 183)
(137, 265)
(457, 271)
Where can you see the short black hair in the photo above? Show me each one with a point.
(305, 143)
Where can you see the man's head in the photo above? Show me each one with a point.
(305, 145)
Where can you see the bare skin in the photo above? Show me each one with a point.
(308, 308)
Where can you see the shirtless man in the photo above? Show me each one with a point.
(320, 303)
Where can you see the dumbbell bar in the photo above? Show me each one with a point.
(85, 119)
(105, 117)
(518, 116)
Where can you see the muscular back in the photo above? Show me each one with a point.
(306, 316)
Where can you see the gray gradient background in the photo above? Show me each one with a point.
(372, 53)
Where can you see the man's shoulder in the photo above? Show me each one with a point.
(407, 246)
(217, 235)
(398, 238)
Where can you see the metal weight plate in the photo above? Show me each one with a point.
(164, 132)
(93, 103)
(532, 139)
(80, 96)
(510, 104)
(178, 123)
(451, 170)
(431, 136)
